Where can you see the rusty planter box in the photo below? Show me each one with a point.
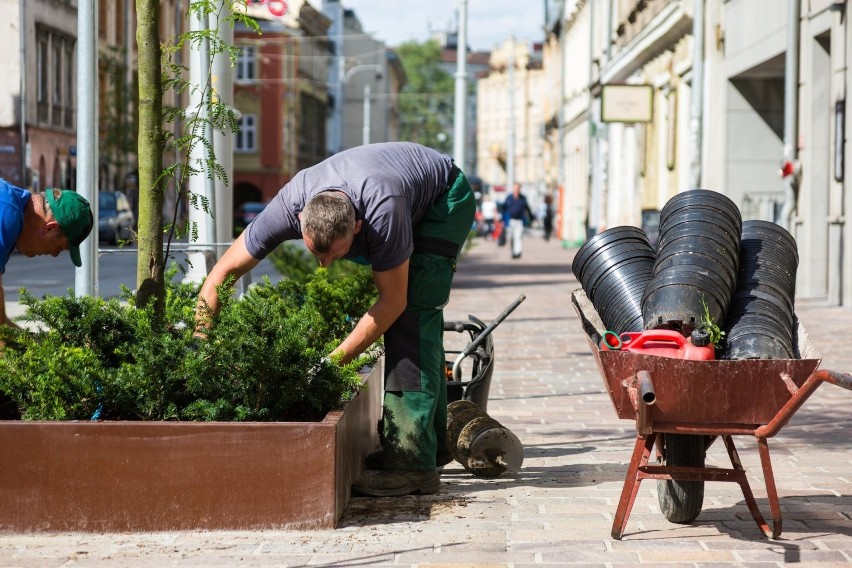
(154, 476)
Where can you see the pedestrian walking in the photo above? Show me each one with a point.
(489, 214)
(547, 216)
(40, 223)
(516, 215)
(406, 210)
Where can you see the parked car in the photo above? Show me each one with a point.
(245, 214)
(116, 221)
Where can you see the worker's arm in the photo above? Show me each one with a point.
(393, 293)
(4, 319)
(234, 263)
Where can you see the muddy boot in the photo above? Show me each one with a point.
(397, 482)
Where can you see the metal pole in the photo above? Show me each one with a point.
(791, 114)
(209, 177)
(23, 101)
(460, 124)
(366, 131)
(591, 157)
(341, 99)
(510, 145)
(696, 121)
(348, 75)
(222, 82)
(86, 277)
(560, 131)
(200, 184)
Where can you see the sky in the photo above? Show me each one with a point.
(489, 22)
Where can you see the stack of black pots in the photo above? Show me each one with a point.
(696, 263)
(614, 267)
(761, 315)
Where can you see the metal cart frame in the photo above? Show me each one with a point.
(706, 398)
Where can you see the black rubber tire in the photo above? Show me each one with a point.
(681, 501)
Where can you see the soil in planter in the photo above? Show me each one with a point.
(8, 408)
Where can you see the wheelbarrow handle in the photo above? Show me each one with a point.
(840, 379)
(483, 334)
(783, 416)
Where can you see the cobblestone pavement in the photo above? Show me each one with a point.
(559, 509)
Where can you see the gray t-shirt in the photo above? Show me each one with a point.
(391, 185)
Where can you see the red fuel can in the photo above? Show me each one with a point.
(660, 342)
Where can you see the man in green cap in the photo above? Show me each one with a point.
(40, 223)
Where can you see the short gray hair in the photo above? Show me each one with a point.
(327, 217)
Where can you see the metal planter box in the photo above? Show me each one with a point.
(155, 476)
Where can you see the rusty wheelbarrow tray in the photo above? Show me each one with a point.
(704, 398)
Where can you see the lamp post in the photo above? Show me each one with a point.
(460, 122)
(365, 138)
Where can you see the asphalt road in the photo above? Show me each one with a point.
(43, 275)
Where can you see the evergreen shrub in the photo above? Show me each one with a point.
(264, 359)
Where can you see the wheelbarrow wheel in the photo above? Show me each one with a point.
(681, 501)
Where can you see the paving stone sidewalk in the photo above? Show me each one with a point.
(559, 509)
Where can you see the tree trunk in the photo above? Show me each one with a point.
(150, 265)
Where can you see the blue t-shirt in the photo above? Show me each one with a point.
(391, 185)
(13, 202)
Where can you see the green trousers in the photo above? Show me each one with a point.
(414, 420)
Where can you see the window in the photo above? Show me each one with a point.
(246, 63)
(247, 135)
(42, 77)
(69, 85)
(41, 74)
(56, 87)
(54, 77)
(57, 73)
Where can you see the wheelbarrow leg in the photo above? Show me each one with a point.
(742, 480)
(771, 491)
(641, 452)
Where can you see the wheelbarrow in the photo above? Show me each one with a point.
(474, 382)
(676, 401)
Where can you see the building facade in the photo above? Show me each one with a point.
(510, 135)
(364, 81)
(38, 119)
(763, 122)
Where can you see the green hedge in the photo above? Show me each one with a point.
(264, 359)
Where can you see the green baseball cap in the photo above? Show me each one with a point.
(74, 215)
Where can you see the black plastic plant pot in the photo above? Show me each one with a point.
(702, 197)
(706, 243)
(623, 305)
(764, 298)
(756, 346)
(773, 234)
(744, 324)
(730, 245)
(679, 306)
(604, 239)
(608, 250)
(746, 329)
(611, 256)
(621, 301)
(698, 262)
(687, 247)
(627, 267)
(757, 253)
(622, 291)
(699, 219)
